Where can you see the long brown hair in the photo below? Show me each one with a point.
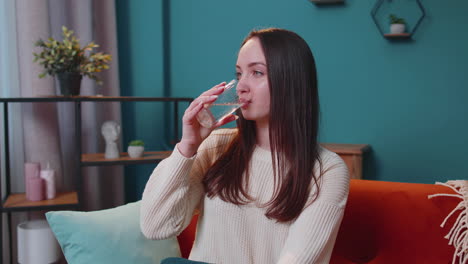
(293, 131)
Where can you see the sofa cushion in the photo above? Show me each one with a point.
(108, 236)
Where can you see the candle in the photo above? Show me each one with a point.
(31, 170)
(35, 186)
(48, 176)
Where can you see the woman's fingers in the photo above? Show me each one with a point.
(215, 90)
(203, 99)
(190, 114)
(208, 96)
(225, 120)
(192, 132)
(197, 105)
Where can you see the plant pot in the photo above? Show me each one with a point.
(70, 83)
(397, 28)
(135, 151)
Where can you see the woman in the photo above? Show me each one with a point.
(266, 191)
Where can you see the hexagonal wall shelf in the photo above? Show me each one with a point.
(388, 7)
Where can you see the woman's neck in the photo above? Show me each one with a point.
(263, 136)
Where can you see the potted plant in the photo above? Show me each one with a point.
(69, 61)
(135, 148)
(397, 24)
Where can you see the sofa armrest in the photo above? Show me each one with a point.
(392, 222)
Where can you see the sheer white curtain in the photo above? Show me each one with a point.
(44, 132)
(9, 87)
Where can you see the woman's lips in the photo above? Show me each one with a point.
(244, 103)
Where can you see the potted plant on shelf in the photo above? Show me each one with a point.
(135, 148)
(397, 24)
(69, 61)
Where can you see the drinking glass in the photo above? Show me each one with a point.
(226, 104)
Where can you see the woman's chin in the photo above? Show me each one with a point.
(246, 115)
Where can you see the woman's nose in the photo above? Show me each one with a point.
(242, 86)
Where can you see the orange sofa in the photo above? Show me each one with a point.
(385, 222)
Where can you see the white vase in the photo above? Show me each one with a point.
(397, 28)
(135, 151)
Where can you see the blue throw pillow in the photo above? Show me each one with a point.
(108, 236)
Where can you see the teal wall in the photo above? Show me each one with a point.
(141, 74)
(408, 100)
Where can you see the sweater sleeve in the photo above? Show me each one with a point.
(312, 235)
(174, 189)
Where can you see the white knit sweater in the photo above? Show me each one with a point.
(228, 233)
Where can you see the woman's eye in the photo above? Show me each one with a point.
(258, 73)
(238, 75)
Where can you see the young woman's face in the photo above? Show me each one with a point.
(253, 87)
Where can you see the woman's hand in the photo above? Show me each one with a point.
(193, 133)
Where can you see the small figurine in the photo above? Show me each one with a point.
(110, 131)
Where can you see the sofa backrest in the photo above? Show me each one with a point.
(385, 222)
(187, 237)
